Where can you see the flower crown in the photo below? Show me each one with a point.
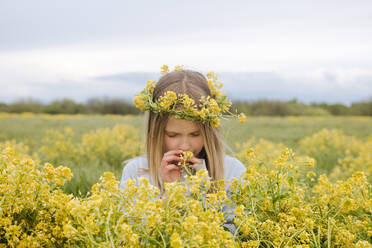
(211, 108)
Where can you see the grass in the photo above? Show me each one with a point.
(287, 130)
(31, 129)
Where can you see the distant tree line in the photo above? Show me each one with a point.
(68, 106)
(253, 108)
(295, 108)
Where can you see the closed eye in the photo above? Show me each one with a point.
(171, 135)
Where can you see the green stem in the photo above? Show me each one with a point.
(329, 235)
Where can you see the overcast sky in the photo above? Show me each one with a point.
(313, 51)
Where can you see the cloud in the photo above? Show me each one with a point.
(129, 77)
(83, 72)
(39, 24)
(314, 51)
(237, 85)
(272, 85)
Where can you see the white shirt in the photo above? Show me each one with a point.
(233, 169)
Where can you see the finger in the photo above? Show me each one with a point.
(171, 167)
(173, 152)
(195, 161)
(171, 158)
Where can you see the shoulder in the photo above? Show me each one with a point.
(233, 167)
(132, 167)
(135, 163)
(233, 162)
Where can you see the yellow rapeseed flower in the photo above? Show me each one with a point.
(184, 106)
(140, 101)
(211, 75)
(175, 240)
(215, 122)
(164, 69)
(242, 117)
(167, 100)
(178, 68)
(150, 85)
(213, 106)
(188, 103)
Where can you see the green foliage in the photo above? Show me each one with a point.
(278, 108)
(25, 105)
(334, 109)
(252, 108)
(110, 106)
(361, 108)
(65, 106)
(68, 106)
(100, 150)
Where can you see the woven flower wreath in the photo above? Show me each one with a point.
(210, 109)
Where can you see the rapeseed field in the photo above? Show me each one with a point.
(307, 184)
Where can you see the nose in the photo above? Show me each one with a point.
(185, 144)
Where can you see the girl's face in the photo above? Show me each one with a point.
(182, 135)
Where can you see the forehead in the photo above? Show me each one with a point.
(181, 126)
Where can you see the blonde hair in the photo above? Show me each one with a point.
(195, 85)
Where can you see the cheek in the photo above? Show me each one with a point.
(199, 144)
(169, 144)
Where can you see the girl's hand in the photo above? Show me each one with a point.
(169, 171)
(195, 162)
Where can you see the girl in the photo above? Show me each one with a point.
(182, 114)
